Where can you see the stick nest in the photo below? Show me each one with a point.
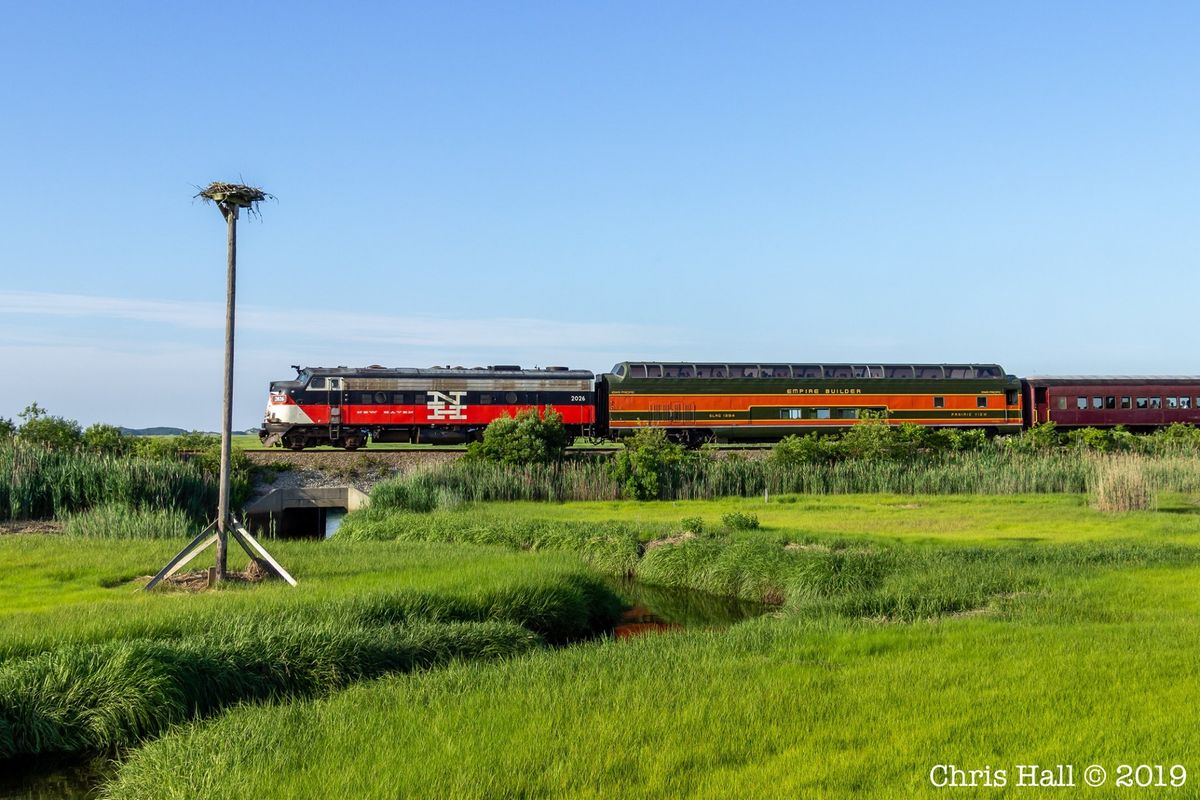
(233, 194)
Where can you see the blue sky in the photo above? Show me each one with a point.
(569, 183)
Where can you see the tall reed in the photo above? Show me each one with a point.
(993, 471)
(37, 483)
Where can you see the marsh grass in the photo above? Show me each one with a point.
(37, 483)
(83, 698)
(87, 662)
(993, 471)
(1122, 484)
(777, 707)
(113, 521)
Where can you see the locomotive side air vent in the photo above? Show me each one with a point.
(505, 368)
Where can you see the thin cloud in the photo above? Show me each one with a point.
(378, 329)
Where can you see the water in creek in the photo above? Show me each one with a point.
(656, 609)
(49, 778)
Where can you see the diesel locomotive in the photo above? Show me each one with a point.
(697, 402)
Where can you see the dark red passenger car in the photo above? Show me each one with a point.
(1137, 402)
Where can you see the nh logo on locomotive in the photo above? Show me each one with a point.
(446, 405)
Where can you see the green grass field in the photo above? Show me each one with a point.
(908, 631)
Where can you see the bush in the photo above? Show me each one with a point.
(693, 525)
(738, 521)
(529, 438)
(41, 430)
(1040, 437)
(1104, 441)
(102, 438)
(811, 448)
(650, 466)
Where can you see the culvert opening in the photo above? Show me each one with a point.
(297, 523)
(303, 513)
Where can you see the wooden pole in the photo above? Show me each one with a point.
(231, 214)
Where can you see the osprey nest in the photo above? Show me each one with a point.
(233, 194)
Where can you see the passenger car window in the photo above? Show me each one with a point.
(1097, 402)
(1156, 402)
(981, 402)
(939, 402)
(1125, 402)
(1172, 402)
(1062, 404)
(1110, 402)
(1142, 402)
(822, 413)
(1081, 403)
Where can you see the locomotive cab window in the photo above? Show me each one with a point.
(318, 384)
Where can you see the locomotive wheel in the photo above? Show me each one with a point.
(296, 445)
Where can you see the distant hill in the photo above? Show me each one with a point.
(164, 431)
(153, 431)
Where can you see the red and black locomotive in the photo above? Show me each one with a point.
(696, 402)
(343, 406)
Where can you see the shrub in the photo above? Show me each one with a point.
(42, 430)
(692, 525)
(650, 466)
(1044, 436)
(1103, 441)
(102, 438)
(738, 521)
(531, 437)
(870, 438)
(811, 448)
